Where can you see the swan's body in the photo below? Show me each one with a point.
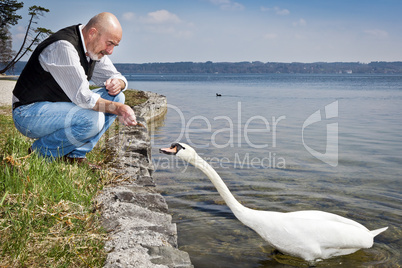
(310, 235)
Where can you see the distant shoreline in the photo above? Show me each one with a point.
(255, 67)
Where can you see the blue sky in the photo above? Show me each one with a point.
(239, 30)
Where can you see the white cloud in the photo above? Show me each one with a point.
(161, 17)
(19, 35)
(301, 22)
(129, 16)
(299, 36)
(219, 2)
(377, 33)
(277, 10)
(270, 36)
(227, 5)
(162, 22)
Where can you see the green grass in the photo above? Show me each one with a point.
(48, 217)
(135, 97)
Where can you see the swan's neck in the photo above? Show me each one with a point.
(223, 190)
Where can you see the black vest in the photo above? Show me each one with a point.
(35, 84)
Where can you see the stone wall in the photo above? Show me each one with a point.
(134, 213)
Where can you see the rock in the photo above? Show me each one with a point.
(154, 108)
(134, 213)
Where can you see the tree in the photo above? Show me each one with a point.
(6, 52)
(8, 8)
(7, 13)
(32, 35)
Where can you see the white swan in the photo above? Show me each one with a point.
(311, 235)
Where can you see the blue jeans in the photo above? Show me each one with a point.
(63, 128)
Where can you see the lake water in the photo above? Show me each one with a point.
(281, 142)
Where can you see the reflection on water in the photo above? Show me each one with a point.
(365, 185)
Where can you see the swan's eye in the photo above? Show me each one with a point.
(178, 146)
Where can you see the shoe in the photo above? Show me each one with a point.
(80, 161)
(30, 150)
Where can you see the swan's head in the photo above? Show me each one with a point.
(182, 150)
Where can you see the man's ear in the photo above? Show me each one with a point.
(92, 33)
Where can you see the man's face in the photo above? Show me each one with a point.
(103, 44)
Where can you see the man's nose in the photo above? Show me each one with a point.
(109, 50)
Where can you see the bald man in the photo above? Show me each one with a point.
(52, 102)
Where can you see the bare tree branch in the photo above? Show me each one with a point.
(29, 42)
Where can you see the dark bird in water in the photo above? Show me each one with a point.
(218, 95)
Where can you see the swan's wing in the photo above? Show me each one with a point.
(321, 215)
(325, 238)
(311, 234)
(329, 233)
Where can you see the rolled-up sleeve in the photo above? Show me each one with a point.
(61, 60)
(104, 69)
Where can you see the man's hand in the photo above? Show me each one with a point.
(114, 86)
(126, 115)
(124, 112)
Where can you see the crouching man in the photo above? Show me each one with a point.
(52, 102)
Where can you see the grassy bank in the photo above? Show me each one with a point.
(47, 214)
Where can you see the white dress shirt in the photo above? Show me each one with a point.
(62, 61)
